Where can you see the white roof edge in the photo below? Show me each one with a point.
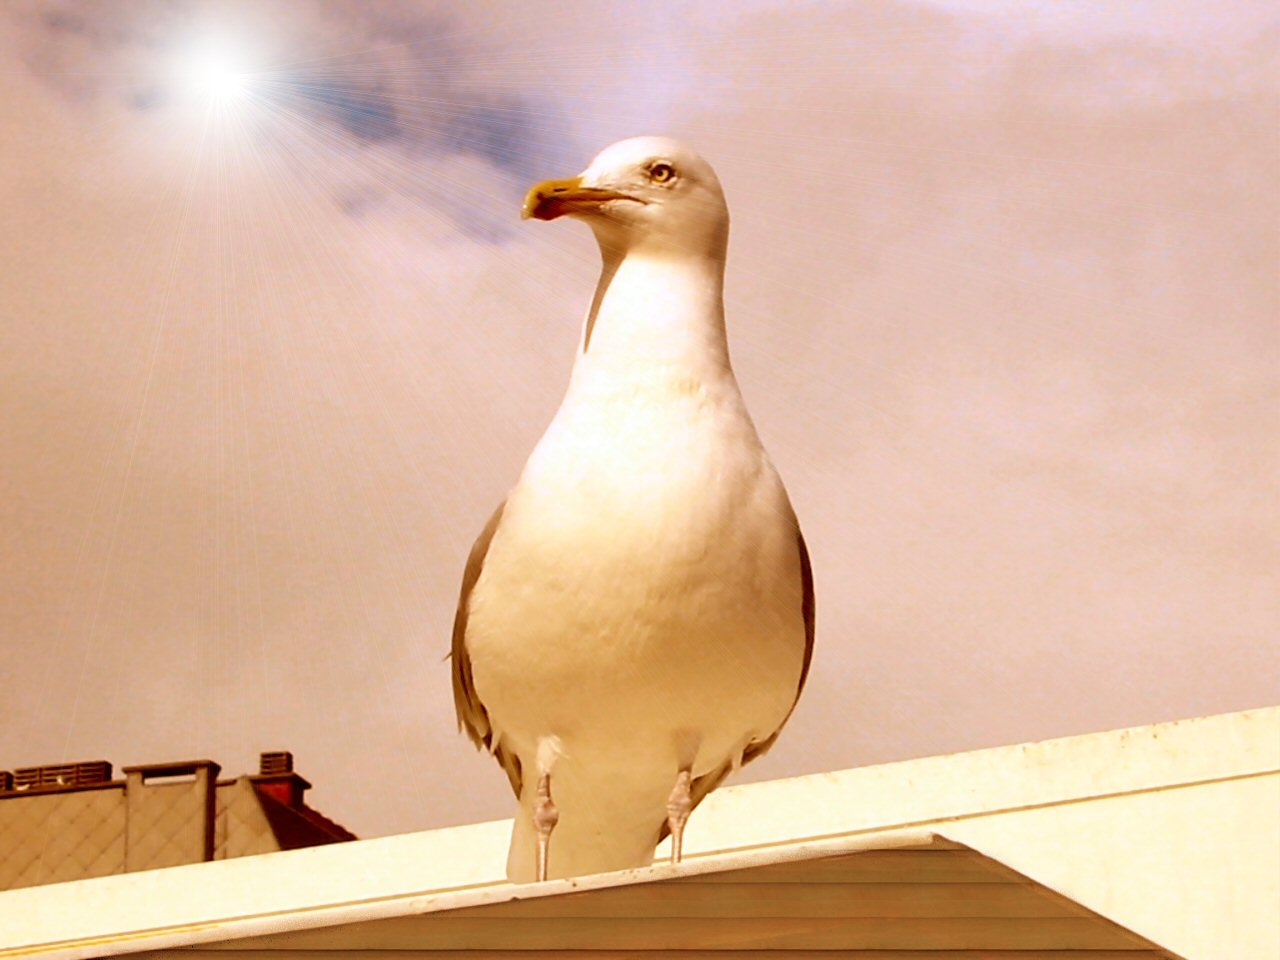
(898, 804)
(356, 911)
(981, 782)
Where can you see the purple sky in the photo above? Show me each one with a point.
(1003, 300)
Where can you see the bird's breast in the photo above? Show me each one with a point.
(645, 543)
(661, 472)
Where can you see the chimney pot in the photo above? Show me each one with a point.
(275, 763)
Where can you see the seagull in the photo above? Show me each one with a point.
(636, 619)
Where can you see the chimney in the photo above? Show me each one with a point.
(277, 779)
(169, 813)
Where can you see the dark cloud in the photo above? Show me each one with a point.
(500, 132)
(368, 116)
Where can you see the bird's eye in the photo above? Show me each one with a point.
(662, 173)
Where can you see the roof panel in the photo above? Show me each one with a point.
(763, 899)
(203, 954)
(821, 904)
(558, 935)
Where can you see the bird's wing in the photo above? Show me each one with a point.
(472, 715)
(759, 747)
(704, 784)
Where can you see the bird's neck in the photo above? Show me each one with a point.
(653, 313)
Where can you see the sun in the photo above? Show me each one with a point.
(216, 69)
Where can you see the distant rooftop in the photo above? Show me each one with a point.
(72, 821)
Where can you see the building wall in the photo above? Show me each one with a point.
(241, 828)
(170, 823)
(53, 836)
(61, 836)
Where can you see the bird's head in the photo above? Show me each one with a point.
(646, 193)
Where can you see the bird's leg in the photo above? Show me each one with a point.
(545, 817)
(679, 806)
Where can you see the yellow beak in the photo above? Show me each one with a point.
(555, 198)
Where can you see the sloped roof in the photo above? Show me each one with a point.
(907, 891)
(1162, 829)
(300, 825)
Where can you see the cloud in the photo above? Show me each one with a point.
(407, 83)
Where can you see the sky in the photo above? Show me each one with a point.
(1002, 297)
